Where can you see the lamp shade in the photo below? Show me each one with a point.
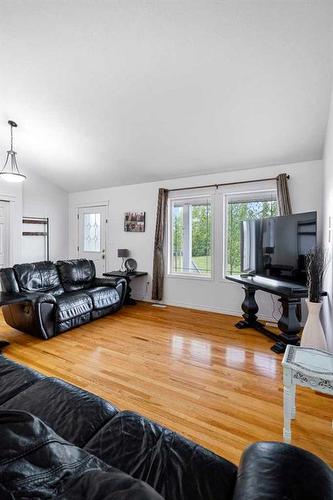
(123, 252)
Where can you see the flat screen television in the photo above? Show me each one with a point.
(276, 247)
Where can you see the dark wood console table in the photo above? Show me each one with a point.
(5, 300)
(290, 297)
(128, 275)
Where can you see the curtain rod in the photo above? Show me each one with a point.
(225, 184)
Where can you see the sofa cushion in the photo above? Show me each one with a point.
(103, 296)
(36, 463)
(38, 277)
(72, 305)
(15, 378)
(174, 466)
(76, 274)
(74, 414)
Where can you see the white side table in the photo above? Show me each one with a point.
(308, 367)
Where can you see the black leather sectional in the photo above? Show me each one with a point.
(59, 441)
(58, 296)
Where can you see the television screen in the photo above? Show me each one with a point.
(276, 247)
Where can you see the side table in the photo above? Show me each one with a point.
(308, 367)
(128, 275)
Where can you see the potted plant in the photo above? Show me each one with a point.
(313, 334)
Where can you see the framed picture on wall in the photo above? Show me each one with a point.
(135, 222)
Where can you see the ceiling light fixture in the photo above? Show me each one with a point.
(12, 173)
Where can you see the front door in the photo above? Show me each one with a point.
(92, 237)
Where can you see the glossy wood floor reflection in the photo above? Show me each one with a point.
(192, 371)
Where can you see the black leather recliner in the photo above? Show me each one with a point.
(59, 296)
(59, 441)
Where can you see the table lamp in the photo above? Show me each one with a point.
(123, 253)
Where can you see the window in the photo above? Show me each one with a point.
(92, 232)
(206, 228)
(191, 237)
(240, 207)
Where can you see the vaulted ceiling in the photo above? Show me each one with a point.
(111, 92)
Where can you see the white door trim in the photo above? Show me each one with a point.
(13, 229)
(92, 204)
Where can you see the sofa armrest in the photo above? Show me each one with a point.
(105, 282)
(31, 312)
(276, 471)
(43, 305)
(21, 298)
(40, 298)
(119, 283)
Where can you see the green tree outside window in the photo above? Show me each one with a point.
(201, 235)
(238, 212)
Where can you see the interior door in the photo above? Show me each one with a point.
(92, 236)
(4, 233)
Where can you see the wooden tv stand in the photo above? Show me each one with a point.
(290, 297)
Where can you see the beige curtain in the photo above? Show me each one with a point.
(158, 266)
(283, 194)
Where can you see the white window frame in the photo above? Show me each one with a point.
(227, 192)
(187, 197)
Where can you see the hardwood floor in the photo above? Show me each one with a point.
(192, 371)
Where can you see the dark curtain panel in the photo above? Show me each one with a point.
(283, 195)
(158, 266)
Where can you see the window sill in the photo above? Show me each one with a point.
(190, 277)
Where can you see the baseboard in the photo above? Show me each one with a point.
(218, 310)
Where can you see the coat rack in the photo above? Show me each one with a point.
(42, 221)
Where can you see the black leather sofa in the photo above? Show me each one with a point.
(59, 441)
(58, 296)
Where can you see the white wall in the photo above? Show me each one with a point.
(328, 239)
(219, 295)
(43, 199)
(36, 197)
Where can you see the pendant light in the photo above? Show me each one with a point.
(11, 173)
